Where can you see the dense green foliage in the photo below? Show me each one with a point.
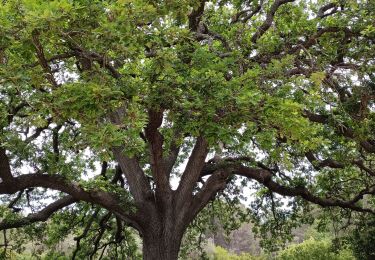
(314, 250)
(222, 254)
(362, 239)
(107, 106)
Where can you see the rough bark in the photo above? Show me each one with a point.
(161, 243)
(162, 230)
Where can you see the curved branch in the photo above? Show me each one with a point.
(56, 182)
(319, 164)
(322, 10)
(195, 16)
(84, 233)
(215, 183)
(265, 177)
(236, 18)
(42, 215)
(269, 19)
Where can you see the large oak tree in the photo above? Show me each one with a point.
(179, 101)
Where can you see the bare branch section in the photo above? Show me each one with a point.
(269, 19)
(42, 215)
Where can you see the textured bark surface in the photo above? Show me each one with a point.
(164, 245)
(162, 233)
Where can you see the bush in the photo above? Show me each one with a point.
(222, 254)
(312, 249)
(8, 254)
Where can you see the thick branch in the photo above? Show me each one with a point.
(5, 171)
(193, 169)
(195, 16)
(137, 180)
(215, 183)
(138, 184)
(155, 140)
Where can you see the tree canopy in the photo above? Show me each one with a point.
(138, 115)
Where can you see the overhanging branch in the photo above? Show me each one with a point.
(42, 215)
(265, 177)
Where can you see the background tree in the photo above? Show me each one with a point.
(180, 101)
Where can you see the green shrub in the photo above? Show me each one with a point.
(222, 254)
(312, 249)
(8, 254)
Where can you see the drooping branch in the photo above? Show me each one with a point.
(105, 199)
(42, 215)
(265, 177)
(102, 225)
(84, 233)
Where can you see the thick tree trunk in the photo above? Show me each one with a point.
(162, 246)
